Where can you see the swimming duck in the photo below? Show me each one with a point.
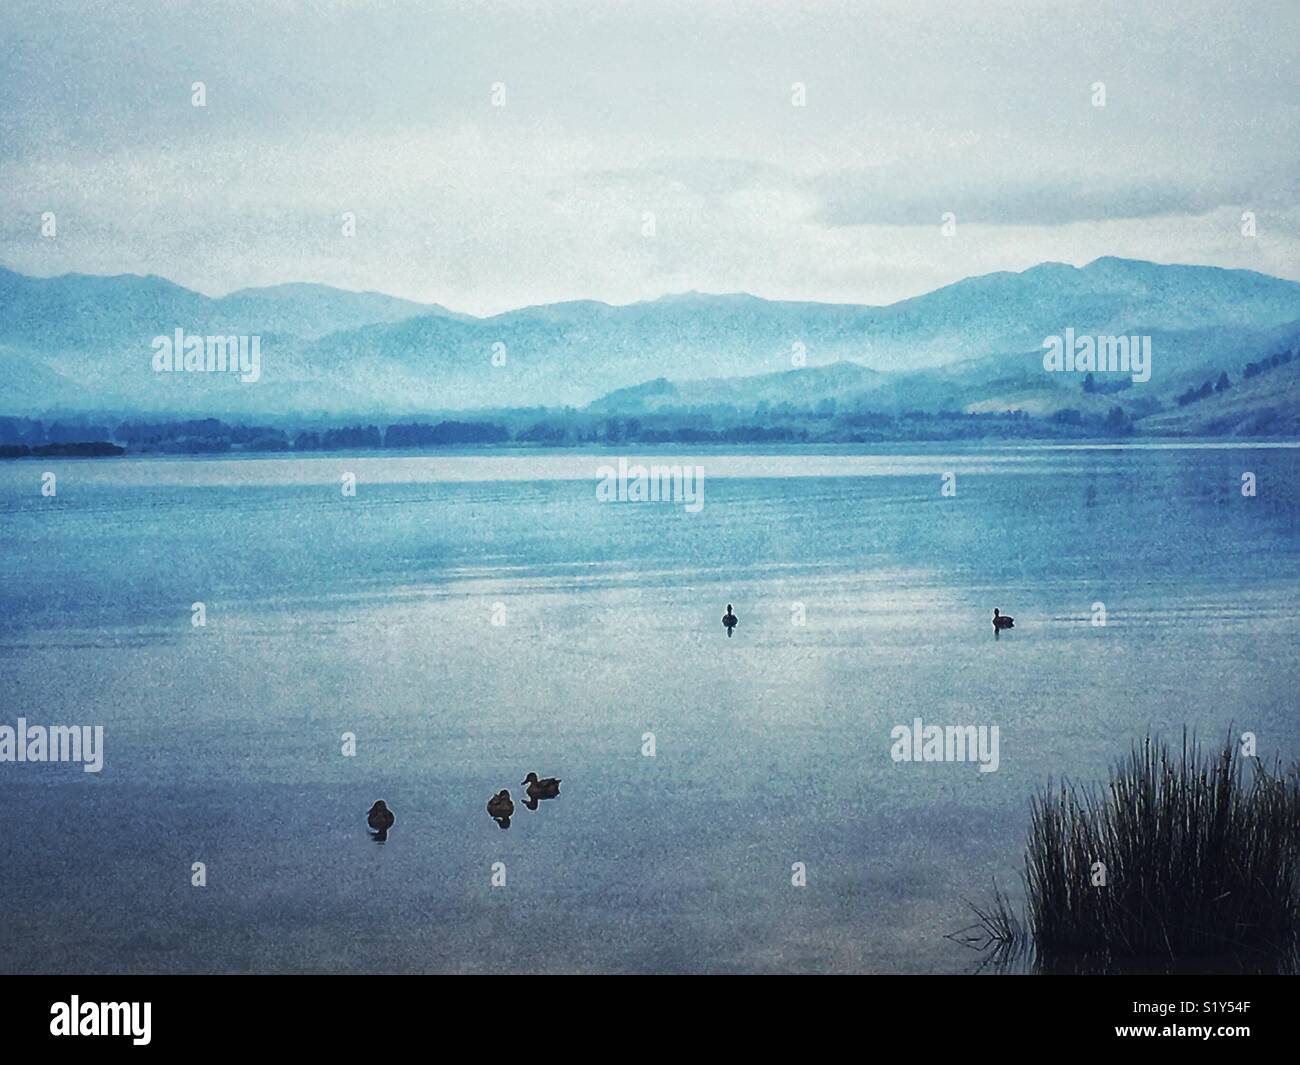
(729, 620)
(500, 805)
(1001, 621)
(546, 788)
(380, 817)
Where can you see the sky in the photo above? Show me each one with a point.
(614, 112)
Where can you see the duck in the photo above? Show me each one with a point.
(729, 620)
(546, 788)
(1001, 621)
(500, 806)
(380, 817)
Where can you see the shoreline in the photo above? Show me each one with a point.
(102, 449)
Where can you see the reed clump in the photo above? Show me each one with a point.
(1182, 854)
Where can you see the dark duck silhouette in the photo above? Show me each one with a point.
(545, 788)
(380, 819)
(730, 620)
(1001, 621)
(500, 807)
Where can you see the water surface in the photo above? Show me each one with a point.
(374, 615)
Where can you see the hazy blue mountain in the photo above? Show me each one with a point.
(1014, 311)
(1266, 405)
(333, 352)
(78, 340)
(1011, 382)
(312, 311)
(80, 312)
(1017, 381)
(30, 385)
(808, 388)
(573, 353)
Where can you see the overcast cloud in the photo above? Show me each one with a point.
(682, 110)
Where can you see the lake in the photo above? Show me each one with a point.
(468, 618)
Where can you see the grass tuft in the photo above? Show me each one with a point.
(1201, 857)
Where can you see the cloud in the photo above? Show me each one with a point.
(676, 109)
(891, 197)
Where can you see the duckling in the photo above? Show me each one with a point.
(380, 817)
(500, 807)
(546, 788)
(1001, 621)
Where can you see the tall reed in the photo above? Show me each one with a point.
(1180, 855)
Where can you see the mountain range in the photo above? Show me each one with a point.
(83, 343)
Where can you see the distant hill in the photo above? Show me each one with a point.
(804, 389)
(314, 311)
(994, 384)
(79, 312)
(573, 353)
(77, 340)
(1014, 311)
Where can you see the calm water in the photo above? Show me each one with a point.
(374, 615)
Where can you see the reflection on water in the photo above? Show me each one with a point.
(539, 790)
(866, 597)
(380, 819)
(501, 808)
